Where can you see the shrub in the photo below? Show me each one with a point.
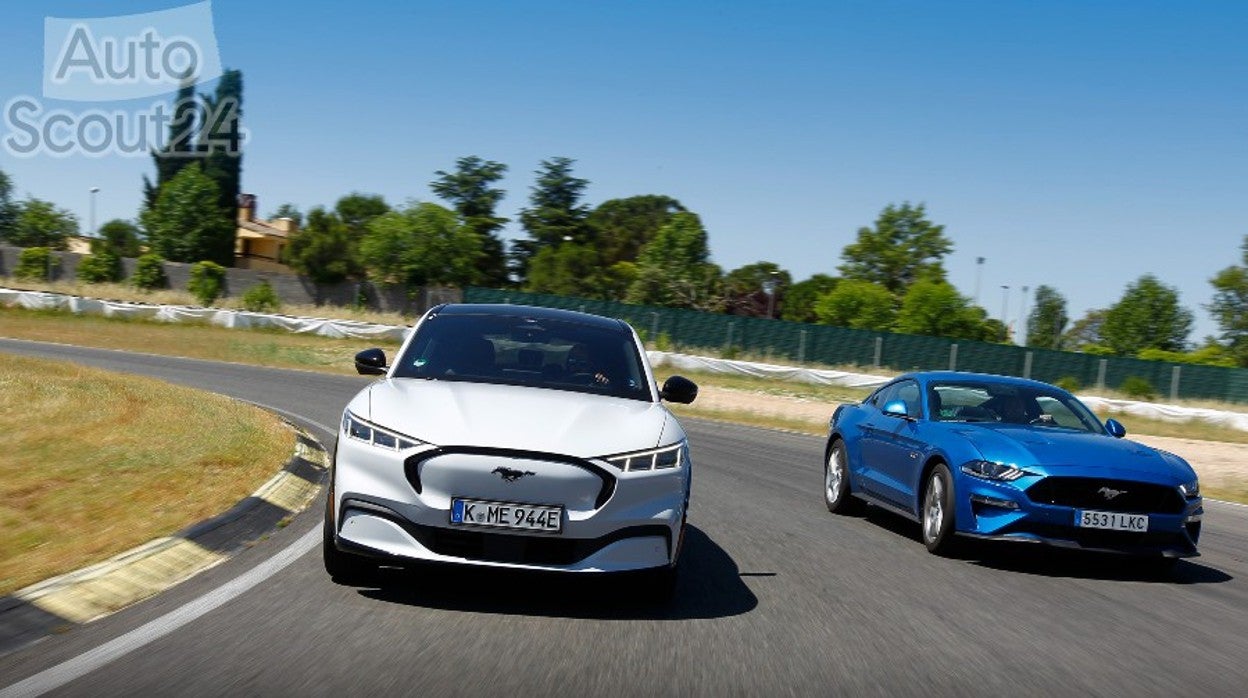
(36, 263)
(101, 267)
(663, 342)
(1068, 383)
(1138, 388)
(207, 282)
(149, 272)
(261, 298)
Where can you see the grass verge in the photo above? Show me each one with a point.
(97, 463)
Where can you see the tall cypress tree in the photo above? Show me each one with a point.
(220, 139)
(179, 149)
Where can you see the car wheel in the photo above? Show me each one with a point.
(836, 481)
(938, 511)
(344, 568)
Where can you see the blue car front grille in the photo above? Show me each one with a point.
(1107, 495)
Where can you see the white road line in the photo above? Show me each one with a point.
(83, 664)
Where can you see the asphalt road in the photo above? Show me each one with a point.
(777, 596)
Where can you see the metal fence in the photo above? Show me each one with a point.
(784, 341)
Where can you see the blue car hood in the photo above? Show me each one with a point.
(1064, 451)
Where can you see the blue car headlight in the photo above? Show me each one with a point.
(355, 428)
(990, 470)
(1190, 490)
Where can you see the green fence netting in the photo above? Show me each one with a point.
(792, 342)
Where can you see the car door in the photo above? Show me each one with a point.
(890, 445)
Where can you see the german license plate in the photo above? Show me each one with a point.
(511, 515)
(1112, 520)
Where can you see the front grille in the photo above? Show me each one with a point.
(1091, 493)
(411, 466)
(520, 549)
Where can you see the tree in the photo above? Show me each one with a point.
(8, 210)
(357, 210)
(288, 210)
(470, 192)
(568, 269)
(800, 298)
(858, 304)
(1047, 319)
(622, 227)
(674, 269)
(554, 215)
(121, 237)
(179, 149)
(1229, 307)
(323, 250)
(1085, 334)
(185, 224)
(936, 309)
(1148, 316)
(901, 249)
(746, 289)
(219, 141)
(420, 245)
(39, 223)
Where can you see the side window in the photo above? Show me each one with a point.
(906, 391)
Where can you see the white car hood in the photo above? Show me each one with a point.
(455, 413)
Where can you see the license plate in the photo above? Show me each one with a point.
(511, 515)
(1112, 521)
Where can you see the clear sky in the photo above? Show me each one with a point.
(1075, 144)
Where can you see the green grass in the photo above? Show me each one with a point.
(97, 463)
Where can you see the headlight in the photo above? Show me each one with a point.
(664, 458)
(1190, 490)
(989, 470)
(360, 430)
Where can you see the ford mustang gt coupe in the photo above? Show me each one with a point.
(980, 456)
(511, 436)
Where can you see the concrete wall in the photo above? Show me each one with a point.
(292, 289)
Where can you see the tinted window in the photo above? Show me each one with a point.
(906, 391)
(522, 351)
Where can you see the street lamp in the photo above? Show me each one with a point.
(979, 273)
(1022, 316)
(91, 217)
(1005, 303)
(769, 287)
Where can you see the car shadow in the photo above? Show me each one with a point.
(1030, 558)
(709, 586)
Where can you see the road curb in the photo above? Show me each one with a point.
(58, 604)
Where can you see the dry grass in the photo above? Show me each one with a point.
(275, 348)
(97, 463)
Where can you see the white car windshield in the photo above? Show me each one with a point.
(517, 350)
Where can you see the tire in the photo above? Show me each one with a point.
(836, 482)
(936, 516)
(344, 568)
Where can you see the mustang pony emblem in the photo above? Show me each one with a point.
(510, 475)
(1108, 493)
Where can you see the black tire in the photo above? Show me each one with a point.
(344, 568)
(836, 493)
(936, 515)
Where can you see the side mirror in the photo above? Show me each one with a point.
(896, 408)
(679, 389)
(371, 362)
(1115, 428)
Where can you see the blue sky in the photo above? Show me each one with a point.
(1075, 144)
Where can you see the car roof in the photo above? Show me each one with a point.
(534, 312)
(956, 376)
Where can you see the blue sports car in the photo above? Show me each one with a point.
(993, 457)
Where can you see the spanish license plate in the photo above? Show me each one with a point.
(1112, 521)
(511, 515)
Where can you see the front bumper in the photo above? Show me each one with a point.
(1004, 511)
(396, 506)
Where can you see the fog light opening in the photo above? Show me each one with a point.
(993, 502)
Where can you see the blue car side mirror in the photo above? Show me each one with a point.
(1115, 428)
(896, 408)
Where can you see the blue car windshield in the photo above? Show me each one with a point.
(974, 401)
(515, 350)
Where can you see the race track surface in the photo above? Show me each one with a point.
(776, 596)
